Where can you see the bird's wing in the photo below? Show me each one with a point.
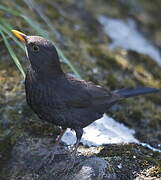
(85, 94)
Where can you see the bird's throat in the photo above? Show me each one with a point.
(36, 73)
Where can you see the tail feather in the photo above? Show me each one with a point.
(129, 92)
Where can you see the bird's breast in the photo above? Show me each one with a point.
(41, 97)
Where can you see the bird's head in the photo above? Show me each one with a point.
(41, 53)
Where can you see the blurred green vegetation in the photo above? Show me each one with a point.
(11, 12)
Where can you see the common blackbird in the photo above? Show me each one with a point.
(61, 99)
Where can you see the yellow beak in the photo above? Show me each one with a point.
(20, 35)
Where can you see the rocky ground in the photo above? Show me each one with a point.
(81, 37)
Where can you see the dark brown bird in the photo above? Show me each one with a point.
(60, 98)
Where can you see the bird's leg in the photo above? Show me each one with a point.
(79, 133)
(58, 139)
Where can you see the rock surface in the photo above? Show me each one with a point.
(38, 159)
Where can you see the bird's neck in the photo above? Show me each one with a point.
(44, 75)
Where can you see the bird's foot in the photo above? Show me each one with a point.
(58, 156)
(55, 154)
(70, 162)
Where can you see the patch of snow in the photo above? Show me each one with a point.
(103, 131)
(124, 34)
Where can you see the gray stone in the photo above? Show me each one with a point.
(39, 159)
(93, 168)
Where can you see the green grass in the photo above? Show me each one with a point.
(12, 53)
(18, 12)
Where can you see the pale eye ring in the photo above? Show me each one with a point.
(35, 48)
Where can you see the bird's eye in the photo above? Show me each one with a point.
(35, 48)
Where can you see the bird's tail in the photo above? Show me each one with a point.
(129, 92)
